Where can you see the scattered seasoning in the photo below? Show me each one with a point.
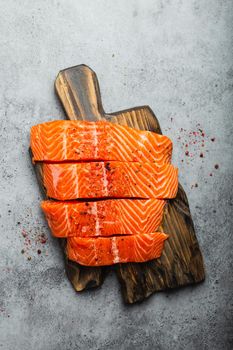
(211, 174)
(33, 239)
(107, 166)
(24, 233)
(194, 142)
(43, 240)
(87, 204)
(216, 166)
(196, 185)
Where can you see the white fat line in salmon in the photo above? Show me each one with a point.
(67, 218)
(95, 142)
(97, 223)
(115, 251)
(104, 179)
(64, 144)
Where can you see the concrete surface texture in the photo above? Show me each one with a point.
(175, 56)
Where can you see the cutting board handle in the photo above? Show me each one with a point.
(79, 92)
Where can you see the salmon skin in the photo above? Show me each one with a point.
(103, 218)
(68, 181)
(112, 250)
(66, 140)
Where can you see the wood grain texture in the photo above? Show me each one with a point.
(73, 86)
(181, 262)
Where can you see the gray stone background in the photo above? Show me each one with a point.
(175, 56)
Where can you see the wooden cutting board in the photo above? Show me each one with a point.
(181, 262)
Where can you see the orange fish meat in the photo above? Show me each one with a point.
(103, 218)
(67, 181)
(66, 140)
(112, 250)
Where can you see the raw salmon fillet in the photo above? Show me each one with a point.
(64, 140)
(103, 218)
(112, 250)
(67, 181)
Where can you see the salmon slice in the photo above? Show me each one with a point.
(103, 218)
(119, 249)
(67, 181)
(66, 140)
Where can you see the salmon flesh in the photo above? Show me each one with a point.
(68, 181)
(109, 184)
(66, 140)
(104, 217)
(119, 249)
